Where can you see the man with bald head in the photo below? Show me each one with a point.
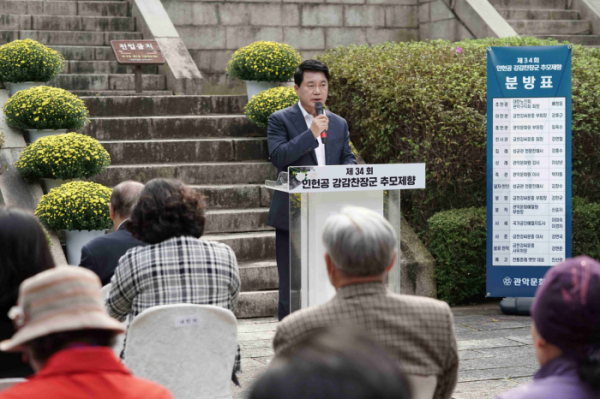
(102, 254)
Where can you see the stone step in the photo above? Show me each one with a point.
(257, 304)
(66, 23)
(108, 82)
(186, 150)
(50, 37)
(236, 220)
(166, 106)
(586, 40)
(65, 7)
(119, 93)
(236, 196)
(259, 276)
(514, 14)
(248, 247)
(104, 67)
(566, 27)
(86, 53)
(530, 4)
(192, 173)
(176, 127)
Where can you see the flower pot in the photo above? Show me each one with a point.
(253, 87)
(75, 240)
(35, 134)
(49, 184)
(15, 87)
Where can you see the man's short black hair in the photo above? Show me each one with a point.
(310, 65)
(335, 364)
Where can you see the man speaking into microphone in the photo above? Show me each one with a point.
(302, 135)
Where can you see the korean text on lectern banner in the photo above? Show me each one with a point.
(528, 166)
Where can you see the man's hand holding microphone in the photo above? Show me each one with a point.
(320, 124)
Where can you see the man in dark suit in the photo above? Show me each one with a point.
(293, 137)
(102, 254)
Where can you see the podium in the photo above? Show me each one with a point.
(319, 191)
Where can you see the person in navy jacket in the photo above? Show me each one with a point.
(294, 139)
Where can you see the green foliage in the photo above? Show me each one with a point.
(76, 206)
(262, 105)
(29, 61)
(63, 156)
(265, 62)
(45, 107)
(457, 241)
(426, 102)
(2, 139)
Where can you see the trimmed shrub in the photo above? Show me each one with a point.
(29, 61)
(262, 105)
(457, 241)
(426, 102)
(63, 156)
(76, 206)
(264, 61)
(45, 107)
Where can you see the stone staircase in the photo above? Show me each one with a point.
(547, 19)
(205, 141)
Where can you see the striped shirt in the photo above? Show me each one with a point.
(175, 271)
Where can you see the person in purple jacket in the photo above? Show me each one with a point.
(566, 333)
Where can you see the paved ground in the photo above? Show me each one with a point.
(495, 351)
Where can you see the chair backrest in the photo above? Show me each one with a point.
(422, 387)
(6, 383)
(106, 290)
(189, 349)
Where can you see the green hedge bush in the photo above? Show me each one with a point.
(426, 102)
(457, 241)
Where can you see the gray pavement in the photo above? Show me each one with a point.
(495, 351)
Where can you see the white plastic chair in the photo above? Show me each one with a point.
(6, 383)
(106, 290)
(422, 387)
(120, 339)
(189, 349)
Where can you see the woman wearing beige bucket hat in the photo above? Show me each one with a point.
(65, 331)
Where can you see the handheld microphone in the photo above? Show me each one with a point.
(319, 111)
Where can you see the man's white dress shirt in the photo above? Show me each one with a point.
(320, 150)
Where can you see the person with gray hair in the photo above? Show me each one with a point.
(102, 254)
(361, 248)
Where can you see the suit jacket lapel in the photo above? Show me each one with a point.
(300, 124)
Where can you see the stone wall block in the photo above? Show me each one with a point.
(401, 17)
(322, 15)
(234, 14)
(198, 37)
(364, 15)
(211, 60)
(304, 38)
(180, 12)
(309, 54)
(240, 36)
(290, 15)
(424, 31)
(265, 14)
(54, 8)
(424, 13)
(382, 35)
(346, 1)
(205, 14)
(344, 37)
(394, 2)
(449, 29)
(440, 11)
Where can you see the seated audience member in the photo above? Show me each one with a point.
(566, 333)
(177, 267)
(24, 252)
(102, 254)
(361, 247)
(334, 364)
(65, 332)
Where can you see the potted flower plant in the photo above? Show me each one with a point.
(61, 158)
(81, 209)
(27, 63)
(44, 111)
(263, 65)
(262, 105)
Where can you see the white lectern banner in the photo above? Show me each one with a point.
(319, 179)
